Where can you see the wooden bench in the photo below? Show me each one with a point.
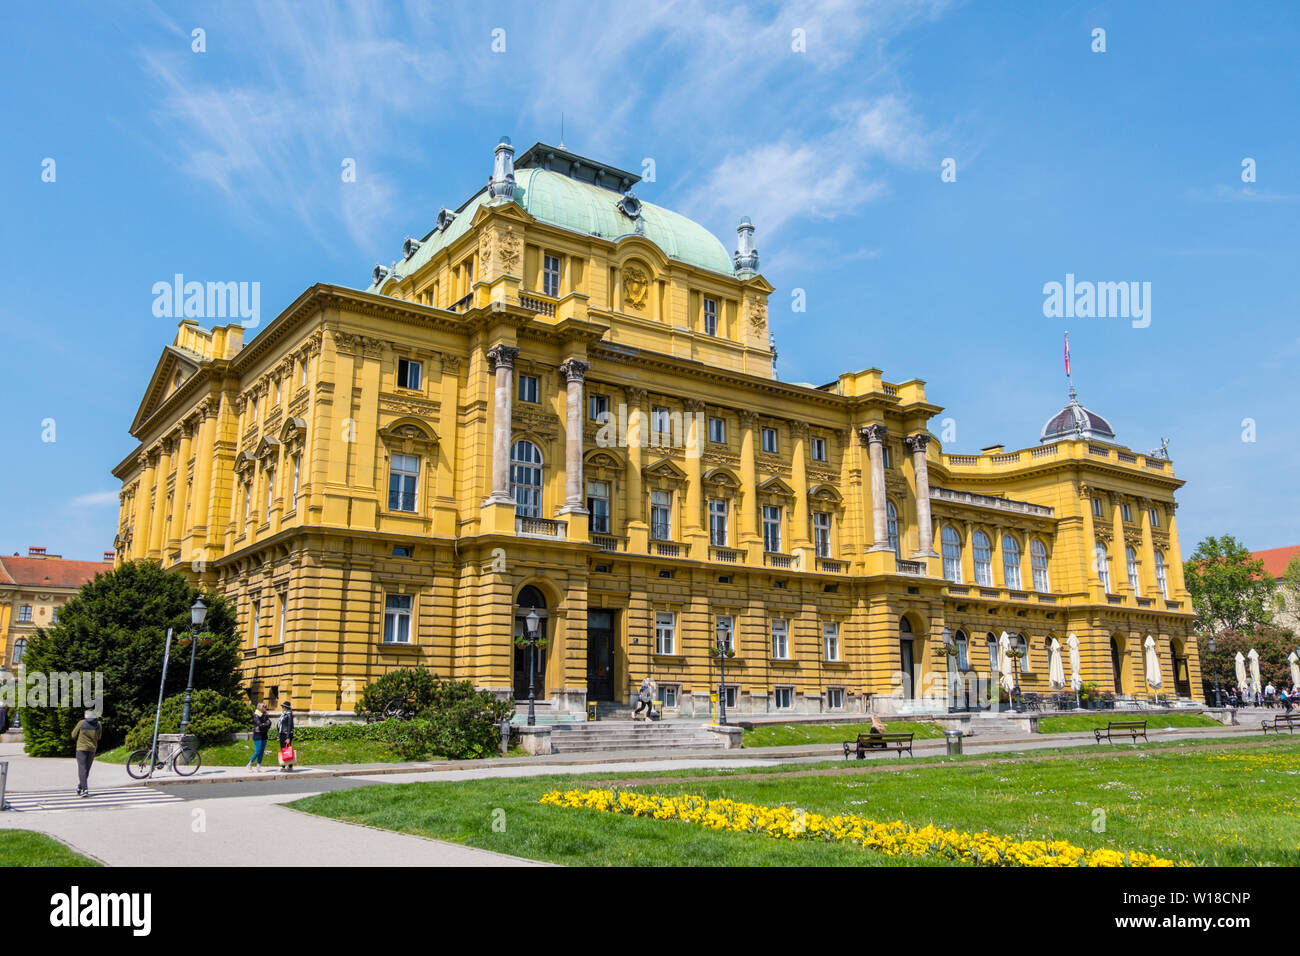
(1134, 728)
(896, 742)
(1289, 721)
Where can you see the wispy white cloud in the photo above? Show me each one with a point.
(95, 499)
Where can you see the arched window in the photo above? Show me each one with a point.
(1103, 566)
(991, 642)
(20, 648)
(1161, 581)
(1011, 562)
(963, 651)
(951, 554)
(1038, 559)
(526, 479)
(892, 516)
(1021, 643)
(1131, 559)
(983, 559)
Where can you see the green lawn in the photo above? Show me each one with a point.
(790, 735)
(317, 753)
(1082, 723)
(1223, 805)
(24, 848)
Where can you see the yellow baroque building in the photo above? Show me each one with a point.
(563, 399)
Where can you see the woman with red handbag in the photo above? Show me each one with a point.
(285, 729)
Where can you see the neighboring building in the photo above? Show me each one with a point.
(32, 589)
(1286, 609)
(563, 399)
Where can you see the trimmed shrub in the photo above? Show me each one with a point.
(213, 719)
(413, 684)
(452, 720)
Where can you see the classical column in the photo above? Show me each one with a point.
(916, 445)
(159, 520)
(1121, 546)
(143, 510)
(573, 371)
(501, 358)
(179, 527)
(203, 468)
(799, 481)
(873, 436)
(695, 526)
(747, 505)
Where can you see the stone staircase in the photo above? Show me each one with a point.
(988, 724)
(623, 735)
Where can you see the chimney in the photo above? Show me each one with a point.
(501, 187)
(34, 552)
(746, 258)
(109, 556)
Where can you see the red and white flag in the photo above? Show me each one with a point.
(1067, 354)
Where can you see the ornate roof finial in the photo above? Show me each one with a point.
(746, 258)
(501, 187)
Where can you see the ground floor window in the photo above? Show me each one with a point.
(731, 695)
(668, 694)
(834, 698)
(397, 619)
(783, 698)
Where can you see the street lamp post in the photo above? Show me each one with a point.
(531, 624)
(197, 613)
(949, 652)
(1213, 648)
(724, 632)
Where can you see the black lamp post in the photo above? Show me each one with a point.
(197, 613)
(949, 652)
(531, 625)
(724, 633)
(1213, 647)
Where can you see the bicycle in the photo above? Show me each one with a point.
(183, 762)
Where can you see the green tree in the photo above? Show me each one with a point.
(116, 626)
(1273, 645)
(1230, 590)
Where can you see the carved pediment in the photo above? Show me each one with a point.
(722, 478)
(775, 486)
(408, 435)
(827, 493)
(268, 447)
(294, 430)
(664, 468)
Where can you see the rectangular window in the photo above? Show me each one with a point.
(834, 698)
(780, 639)
(886, 458)
(718, 431)
(409, 373)
(297, 465)
(1096, 507)
(769, 440)
(284, 615)
(397, 619)
(528, 388)
(25, 614)
(665, 632)
(710, 316)
(54, 616)
(256, 612)
(551, 276)
(598, 506)
(1124, 509)
(598, 408)
(772, 528)
(831, 640)
(822, 533)
(819, 449)
(660, 420)
(732, 694)
(1155, 518)
(661, 528)
(302, 373)
(403, 479)
(277, 393)
(725, 625)
(668, 694)
(783, 698)
(718, 536)
(270, 492)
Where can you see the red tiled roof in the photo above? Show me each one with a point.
(49, 573)
(1276, 559)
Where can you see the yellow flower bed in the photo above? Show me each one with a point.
(893, 839)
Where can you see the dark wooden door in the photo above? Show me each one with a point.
(907, 661)
(600, 654)
(522, 663)
(1182, 684)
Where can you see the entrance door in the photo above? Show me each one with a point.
(1116, 667)
(905, 653)
(600, 654)
(530, 599)
(1182, 683)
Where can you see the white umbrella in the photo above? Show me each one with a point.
(1153, 663)
(1254, 669)
(1076, 681)
(1295, 669)
(1055, 672)
(1006, 678)
(1239, 663)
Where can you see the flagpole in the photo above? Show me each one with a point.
(1069, 379)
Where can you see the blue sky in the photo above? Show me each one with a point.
(1117, 166)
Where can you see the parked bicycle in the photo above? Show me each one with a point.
(183, 762)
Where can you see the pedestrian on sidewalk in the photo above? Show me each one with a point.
(285, 731)
(643, 697)
(86, 736)
(261, 729)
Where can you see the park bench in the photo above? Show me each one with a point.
(1289, 721)
(865, 742)
(1134, 728)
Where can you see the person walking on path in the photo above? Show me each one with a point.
(643, 698)
(285, 731)
(86, 736)
(261, 729)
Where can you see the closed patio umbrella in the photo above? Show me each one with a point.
(1005, 676)
(1076, 680)
(1153, 663)
(1253, 655)
(1295, 668)
(1055, 672)
(1239, 663)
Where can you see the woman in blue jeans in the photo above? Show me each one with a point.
(261, 727)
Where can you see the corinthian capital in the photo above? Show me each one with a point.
(872, 433)
(917, 442)
(502, 356)
(574, 370)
